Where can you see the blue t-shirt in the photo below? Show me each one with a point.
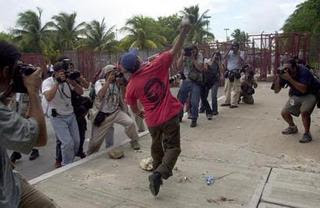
(304, 76)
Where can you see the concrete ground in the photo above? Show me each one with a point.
(254, 166)
(45, 163)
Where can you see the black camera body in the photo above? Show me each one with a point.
(281, 71)
(188, 51)
(20, 71)
(119, 74)
(70, 73)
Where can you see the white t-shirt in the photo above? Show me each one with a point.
(233, 61)
(62, 99)
(111, 102)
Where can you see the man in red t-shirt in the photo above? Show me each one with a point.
(149, 84)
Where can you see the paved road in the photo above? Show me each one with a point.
(253, 163)
(45, 163)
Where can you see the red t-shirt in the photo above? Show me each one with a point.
(151, 86)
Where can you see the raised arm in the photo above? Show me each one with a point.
(178, 44)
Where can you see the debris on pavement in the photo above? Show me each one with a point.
(116, 153)
(210, 180)
(146, 164)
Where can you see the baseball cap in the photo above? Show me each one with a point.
(129, 60)
(105, 70)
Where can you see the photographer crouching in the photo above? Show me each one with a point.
(57, 91)
(111, 109)
(301, 98)
(18, 133)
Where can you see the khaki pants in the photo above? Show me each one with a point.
(165, 147)
(31, 197)
(232, 91)
(99, 133)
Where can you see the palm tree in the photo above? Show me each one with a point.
(142, 34)
(99, 37)
(68, 33)
(31, 34)
(199, 32)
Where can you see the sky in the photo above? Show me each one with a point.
(252, 16)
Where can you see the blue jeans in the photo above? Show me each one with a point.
(186, 88)
(66, 129)
(214, 93)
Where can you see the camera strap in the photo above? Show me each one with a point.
(63, 95)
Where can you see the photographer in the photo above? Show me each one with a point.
(232, 75)
(192, 63)
(211, 76)
(301, 98)
(248, 84)
(57, 91)
(111, 109)
(18, 133)
(81, 106)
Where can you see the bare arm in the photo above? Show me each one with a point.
(177, 46)
(276, 85)
(49, 95)
(135, 109)
(83, 82)
(33, 83)
(77, 88)
(180, 62)
(104, 90)
(301, 87)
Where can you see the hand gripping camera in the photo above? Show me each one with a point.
(20, 71)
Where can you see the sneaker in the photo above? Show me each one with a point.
(34, 154)
(15, 156)
(290, 130)
(209, 117)
(233, 106)
(155, 183)
(135, 145)
(193, 124)
(215, 113)
(81, 155)
(224, 105)
(306, 138)
(58, 164)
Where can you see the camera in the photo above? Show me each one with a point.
(20, 71)
(72, 75)
(66, 64)
(119, 75)
(281, 71)
(188, 51)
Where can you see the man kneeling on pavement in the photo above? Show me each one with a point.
(111, 109)
(301, 98)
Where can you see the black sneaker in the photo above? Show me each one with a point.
(81, 155)
(306, 138)
(225, 105)
(193, 124)
(155, 183)
(34, 154)
(209, 117)
(15, 156)
(233, 106)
